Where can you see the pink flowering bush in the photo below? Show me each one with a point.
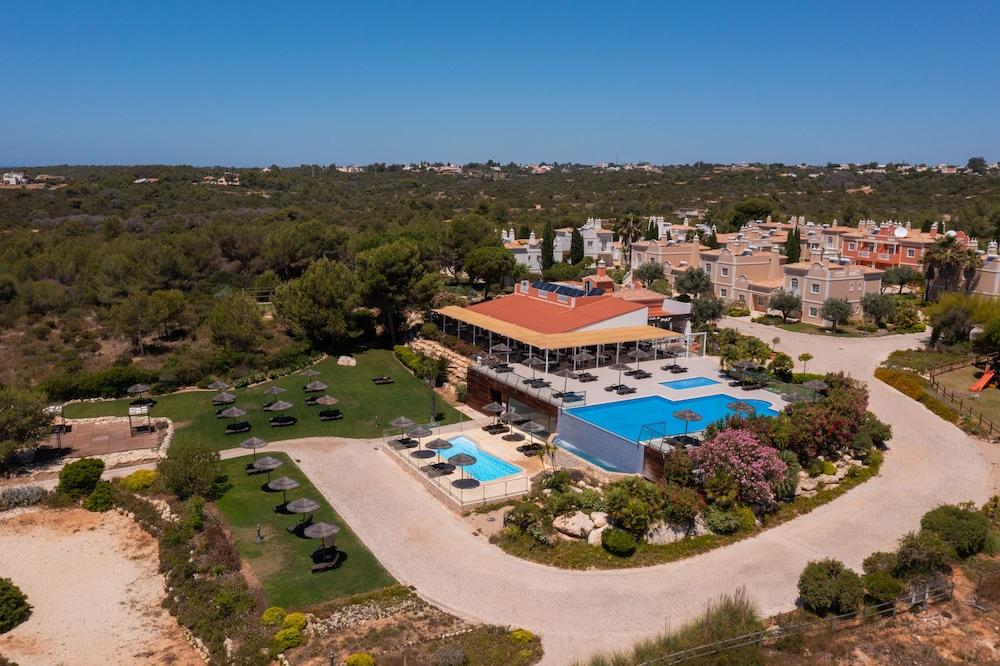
(757, 469)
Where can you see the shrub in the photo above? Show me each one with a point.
(521, 636)
(295, 621)
(738, 309)
(913, 386)
(635, 516)
(677, 468)
(721, 521)
(721, 489)
(785, 489)
(618, 542)
(79, 478)
(880, 562)
(873, 458)
(462, 392)
(360, 659)
(748, 521)
(430, 331)
(964, 529)
(191, 472)
(14, 606)
(101, 499)
(107, 383)
(757, 469)
(681, 505)
(285, 639)
(523, 514)
(20, 496)
(140, 480)
(449, 655)
(829, 468)
(828, 586)
(273, 616)
(881, 587)
(922, 552)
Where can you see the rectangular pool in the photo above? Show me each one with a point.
(487, 467)
(691, 382)
(626, 418)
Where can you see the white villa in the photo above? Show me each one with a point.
(14, 178)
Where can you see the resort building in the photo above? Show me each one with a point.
(816, 281)
(526, 251)
(14, 178)
(597, 241)
(747, 276)
(894, 244)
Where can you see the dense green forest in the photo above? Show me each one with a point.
(98, 271)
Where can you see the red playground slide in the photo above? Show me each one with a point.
(983, 381)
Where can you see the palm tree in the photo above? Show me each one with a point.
(628, 232)
(946, 260)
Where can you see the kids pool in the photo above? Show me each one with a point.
(487, 467)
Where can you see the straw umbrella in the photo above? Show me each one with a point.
(138, 389)
(232, 413)
(501, 348)
(401, 422)
(418, 432)
(326, 401)
(532, 428)
(620, 367)
(267, 464)
(493, 408)
(439, 445)
(688, 416)
(284, 484)
(816, 386)
(565, 373)
(513, 417)
(315, 387)
(302, 506)
(743, 366)
(219, 385)
(273, 391)
(253, 444)
(279, 406)
(309, 372)
(742, 407)
(582, 357)
(224, 398)
(462, 460)
(794, 397)
(533, 362)
(638, 355)
(321, 531)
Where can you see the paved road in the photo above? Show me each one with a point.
(576, 613)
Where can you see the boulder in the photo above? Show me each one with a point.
(806, 485)
(594, 538)
(803, 474)
(700, 529)
(577, 524)
(600, 519)
(546, 491)
(827, 479)
(347, 360)
(662, 533)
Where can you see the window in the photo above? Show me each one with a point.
(723, 292)
(829, 241)
(708, 268)
(814, 287)
(742, 298)
(725, 271)
(852, 245)
(795, 285)
(910, 252)
(590, 243)
(524, 286)
(813, 312)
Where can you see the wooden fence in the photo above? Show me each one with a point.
(965, 401)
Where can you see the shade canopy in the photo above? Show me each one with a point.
(687, 415)
(532, 426)
(326, 400)
(815, 385)
(315, 386)
(500, 348)
(419, 431)
(742, 407)
(462, 460)
(282, 483)
(321, 530)
(533, 361)
(583, 356)
(232, 413)
(273, 390)
(303, 505)
(218, 385)
(401, 422)
(137, 388)
(744, 364)
(278, 406)
(253, 443)
(438, 444)
(224, 398)
(493, 408)
(638, 354)
(309, 372)
(266, 464)
(565, 372)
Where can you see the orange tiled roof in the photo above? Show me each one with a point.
(550, 317)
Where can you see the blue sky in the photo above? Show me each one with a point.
(253, 83)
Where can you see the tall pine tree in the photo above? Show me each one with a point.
(576, 247)
(793, 247)
(548, 246)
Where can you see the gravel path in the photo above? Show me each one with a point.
(578, 613)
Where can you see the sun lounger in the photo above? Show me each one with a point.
(513, 437)
(642, 374)
(678, 370)
(625, 390)
(442, 468)
(282, 421)
(383, 379)
(237, 428)
(668, 368)
(405, 442)
(330, 415)
(583, 379)
(754, 387)
(327, 564)
(572, 397)
(629, 373)
(613, 387)
(143, 402)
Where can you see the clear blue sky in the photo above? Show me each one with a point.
(253, 83)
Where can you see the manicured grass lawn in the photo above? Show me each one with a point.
(282, 561)
(922, 360)
(367, 408)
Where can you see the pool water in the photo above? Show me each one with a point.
(691, 382)
(487, 467)
(626, 418)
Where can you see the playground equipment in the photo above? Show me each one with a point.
(981, 383)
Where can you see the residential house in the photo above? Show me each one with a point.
(817, 280)
(597, 241)
(894, 244)
(526, 251)
(14, 178)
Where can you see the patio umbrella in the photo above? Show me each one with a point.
(314, 387)
(219, 385)
(278, 406)
(284, 484)
(743, 366)
(816, 386)
(253, 444)
(418, 432)
(309, 372)
(224, 398)
(638, 355)
(688, 416)
(232, 413)
(582, 357)
(462, 460)
(401, 422)
(137, 389)
(742, 407)
(493, 408)
(513, 417)
(532, 428)
(302, 505)
(620, 367)
(267, 464)
(326, 401)
(533, 362)
(321, 531)
(273, 391)
(501, 348)
(565, 373)
(439, 444)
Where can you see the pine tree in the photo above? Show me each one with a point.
(548, 246)
(576, 247)
(793, 247)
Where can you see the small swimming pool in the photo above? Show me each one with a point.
(690, 382)
(626, 418)
(487, 467)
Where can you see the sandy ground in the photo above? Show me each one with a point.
(93, 583)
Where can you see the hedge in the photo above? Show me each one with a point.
(913, 386)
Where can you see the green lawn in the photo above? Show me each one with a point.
(367, 408)
(282, 561)
(959, 381)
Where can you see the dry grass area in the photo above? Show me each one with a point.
(948, 633)
(93, 583)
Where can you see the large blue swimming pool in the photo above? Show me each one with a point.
(487, 467)
(626, 418)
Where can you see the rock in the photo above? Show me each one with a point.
(546, 491)
(662, 533)
(827, 479)
(841, 473)
(600, 519)
(700, 529)
(807, 493)
(803, 474)
(806, 485)
(594, 538)
(577, 524)
(347, 360)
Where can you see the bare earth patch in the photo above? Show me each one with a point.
(93, 583)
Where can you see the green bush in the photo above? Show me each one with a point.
(618, 542)
(967, 531)
(912, 386)
(922, 552)
(360, 659)
(295, 621)
(21, 496)
(680, 505)
(462, 392)
(738, 309)
(430, 331)
(140, 480)
(273, 616)
(521, 636)
(285, 639)
(827, 586)
(829, 468)
(721, 521)
(101, 499)
(523, 514)
(107, 383)
(79, 478)
(880, 562)
(14, 606)
(881, 587)
(193, 471)
(635, 516)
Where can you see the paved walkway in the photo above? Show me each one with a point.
(579, 612)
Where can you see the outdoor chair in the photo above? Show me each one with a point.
(310, 402)
(586, 377)
(572, 397)
(668, 368)
(330, 415)
(327, 564)
(625, 390)
(382, 379)
(237, 428)
(282, 421)
(442, 468)
(629, 373)
(614, 387)
(406, 442)
(642, 374)
(678, 370)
